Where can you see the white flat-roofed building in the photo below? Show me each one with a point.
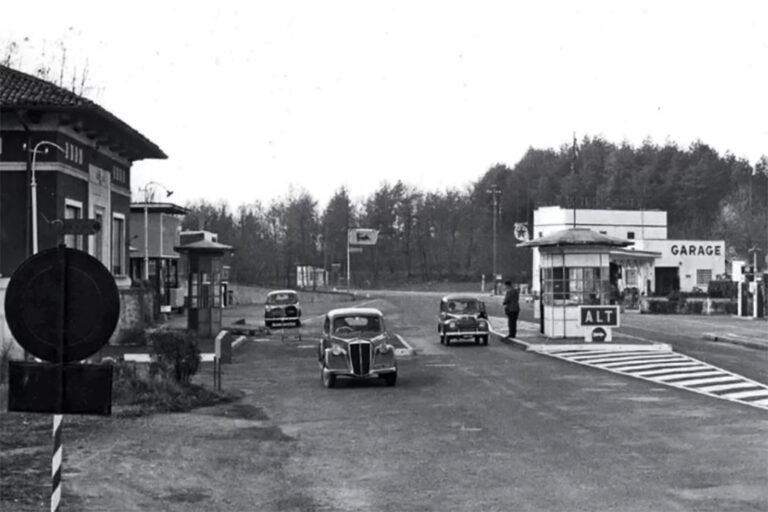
(653, 264)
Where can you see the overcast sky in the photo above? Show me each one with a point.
(251, 98)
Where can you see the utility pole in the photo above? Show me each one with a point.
(495, 194)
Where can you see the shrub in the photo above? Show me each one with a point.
(722, 289)
(177, 354)
(133, 385)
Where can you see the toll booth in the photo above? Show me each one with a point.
(575, 271)
(204, 302)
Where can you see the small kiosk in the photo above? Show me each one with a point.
(575, 272)
(204, 285)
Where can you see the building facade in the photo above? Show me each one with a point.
(155, 231)
(81, 169)
(653, 264)
(63, 157)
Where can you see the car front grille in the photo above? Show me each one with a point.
(467, 324)
(360, 355)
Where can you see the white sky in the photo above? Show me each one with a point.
(250, 98)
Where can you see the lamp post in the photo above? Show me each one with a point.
(33, 185)
(147, 195)
(495, 193)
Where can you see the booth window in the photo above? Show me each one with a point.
(573, 285)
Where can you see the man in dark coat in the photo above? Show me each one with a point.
(512, 307)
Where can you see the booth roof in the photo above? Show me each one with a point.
(203, 246)
(576, 236)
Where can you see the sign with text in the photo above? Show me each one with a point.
(593, 316)
(361, 236)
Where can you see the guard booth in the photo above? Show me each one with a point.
(204, 285)
(575, 272)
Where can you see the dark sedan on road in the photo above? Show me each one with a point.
(355, 344)
(462, 317)
(282, 308)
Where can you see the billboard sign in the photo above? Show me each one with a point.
(362, 236)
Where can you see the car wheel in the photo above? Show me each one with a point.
(267, 324)
(477, 340)
(447, 340)
(298, 323)
(485, 339)
(390, 379)
(328, 378)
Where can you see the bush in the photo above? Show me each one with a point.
(177, 354)
(133, 385)
(722, 289)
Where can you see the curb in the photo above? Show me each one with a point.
(607, 347)
(735, 341)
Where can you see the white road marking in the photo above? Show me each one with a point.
(672, 369)
(441, 365)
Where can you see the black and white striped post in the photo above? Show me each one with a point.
(56, 464)
(58, 418)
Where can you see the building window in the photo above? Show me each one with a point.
(73, 210)
(630, 235)
(118, 244)
(703, 276)
(98, 238)
(603, 232)
(574, 285)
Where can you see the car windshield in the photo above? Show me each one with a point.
(282, 298)
(351, 325)
(463, 307)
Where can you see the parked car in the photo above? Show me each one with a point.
(462, 317)
(355, 344)
(282, 308)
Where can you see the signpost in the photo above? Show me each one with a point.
(358, 237)
(598, 322)
(61, 305)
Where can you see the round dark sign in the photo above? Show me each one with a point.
(599, 334)
(62, 282)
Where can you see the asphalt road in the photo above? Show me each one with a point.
(466, 428)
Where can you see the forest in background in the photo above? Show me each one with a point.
(447, 235)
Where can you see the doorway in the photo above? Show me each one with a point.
(667, 280)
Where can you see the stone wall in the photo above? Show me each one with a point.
(136, 314)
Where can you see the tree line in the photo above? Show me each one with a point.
(447, 235)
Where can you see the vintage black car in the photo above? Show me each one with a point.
(462, 317)
(282, 309)
(356, 344)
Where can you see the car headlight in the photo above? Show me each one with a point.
(337, 350)
(482, 324)
(385, 348)
(452, 324)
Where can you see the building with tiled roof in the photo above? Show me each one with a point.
(85, 173)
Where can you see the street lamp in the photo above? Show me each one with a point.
(33, 185)
(149, 193)
(495, 193)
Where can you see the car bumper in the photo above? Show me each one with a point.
(374, 374)
(465, 334)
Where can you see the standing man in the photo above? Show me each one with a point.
(512, 307)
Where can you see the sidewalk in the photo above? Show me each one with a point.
(529, 337)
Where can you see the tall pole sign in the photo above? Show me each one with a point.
(358, 237)
(62, 305)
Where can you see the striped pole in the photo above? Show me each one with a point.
(56, 464)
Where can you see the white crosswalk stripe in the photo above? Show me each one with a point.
(671, 369)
